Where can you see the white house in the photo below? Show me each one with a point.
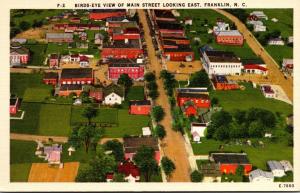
(113, 94)
(254, 66)
(276, 41)
(259, 15)
(259, 28)
(260, 176)
(276, 168)
(146, 131)
(221, 63)
(197, 131)
(287, 166)
(221, 26)
(267, 91)
(132, 179)
(188, 21)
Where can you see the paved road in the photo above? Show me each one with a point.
(275, 76)
(173, 144)
(59, 139)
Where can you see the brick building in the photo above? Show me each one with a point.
(200, 100)
(139, 107)
(132, 67)
(18, 54)
(67, 89)
(232, 37)
(77, 76)
(50, 78)
(54, 61)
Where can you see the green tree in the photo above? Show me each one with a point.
(144, 159)
(117, 149)
(199, 79)
(89, 112)
(126, 81)
(97, 169)
(24, 25)
(168, 166)
(157, 113)
(152, 85)
(196, 176)
(214, 101)
(84, 96)
(256, 129)
(119, 177)
(149, 77)
(153, 94)
(160, 132)
(89, 135)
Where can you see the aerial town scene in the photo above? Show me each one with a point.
(151, 95)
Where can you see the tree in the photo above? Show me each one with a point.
(72, 95)
(221, 118)
(196, 176)
(239, 116)
(84, 96)
(222, 133)
(256, 129)
(119, 177)
(152, 85)
(14, 31)
(126, 81)
(97, 169)
(153, 94)
(117, 149)
(89, 135)
(144, 159)
(24, 25)
(214, 101)
(149, 77)
(167, 165)
(157, 113)
(37, 23)
(89, 112)
(199, 79)
(160, 131)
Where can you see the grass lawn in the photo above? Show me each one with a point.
(248, 98)
(128, 125)
(104, 115)
(136, 93)
(37, 54)
(280, 52)
(30, 123)
(23, 152)
(54, 120)
(36, 94)
(258, 156)
(57, 48)
(19, 172)
(20, 82)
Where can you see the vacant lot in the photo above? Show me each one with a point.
(258, 156)
(36, 94)
(37, 54)
(136, 93)
(248, 98)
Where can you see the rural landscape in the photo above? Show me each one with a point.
(178, 95)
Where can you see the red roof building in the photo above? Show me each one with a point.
(221, 83)
(162, 15)
(141, 107)
(14, 106)
(199, 100)
(125, 66)
(67, 89)
(50, 78)
(77, 76)
(233, 37)
(228, 162)
(190, 110)
(128, 33)
(130, 170)
(100, 14)
(254, 66)
(170, 29)
(54, 61)
(96, 94)
(18, 54)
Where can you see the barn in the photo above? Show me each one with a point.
(232, 37)
(139, 107)
(77, 76)
(222, 83)
(229, 162)
(50, 78)
(198, 99)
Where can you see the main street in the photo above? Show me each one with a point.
(173, 144)
(275, 76)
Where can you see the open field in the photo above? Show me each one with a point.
(136, 93)
(19, 172)
(258, 156)
(37, 54)
(36, 94)
(248, 98)
(19, 82)
(33, 14)
(41, 172)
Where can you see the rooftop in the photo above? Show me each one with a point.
(50, 75)
(163, 13)
(132, 144)
(77, 73)
(222, 56)
(228, 33)
(13, 101)
(258, 173)
(169, 25)
(113, 88)
(193, 95)
(59, 35)
(230, 158)
(140, 102)
(124, 62)
(65, 87)
(274, 165)
(180, 48)
(122, 44)
(252, 61)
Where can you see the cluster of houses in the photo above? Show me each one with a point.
(128, 168)
(174, 44)
(255, 18)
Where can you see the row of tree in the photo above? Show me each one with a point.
(253, 123)
(151, 85)
(169, 82)
(25, 25)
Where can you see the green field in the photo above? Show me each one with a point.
(19, 172)
(36, 94)
(258, 156)
(37, 54)
(198, 29)
(57, 48)
(20, 82)
(248, 98)
(136, 93)
(33, 14)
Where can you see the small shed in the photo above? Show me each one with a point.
(146, 131)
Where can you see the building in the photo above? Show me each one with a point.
(67, 89)
(188, 21)
(211, 172)
(84, 61)
(122, 49)
(221, 26)
(222, 83)
(178, 52)
(70, 28)
(221, 63)
(276, 168)
(18, 54)
(54, 60)
(133, 67)
(139, 107)
(259, 28)
(14, 105)
(77, 76)
(96, 93)
(50, 78)
(276, 41)
(113, 94)
(267, 91)
(287, 63)
(198, 99)
(260, 176)
(99, 39)
(198, 131)
(132, 33)
(101, 14)
(259, 15)
(162, 15)
(75, 19)
(169, 29)
(232, 37)
(132, 144)
(130, 171)
(254, 66)
(146, 131)
(190, 109)
(229, 162)
(287, 166)
(59, 37)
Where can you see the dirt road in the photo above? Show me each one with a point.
(275, 76)
(173, 146)
(59, 139)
